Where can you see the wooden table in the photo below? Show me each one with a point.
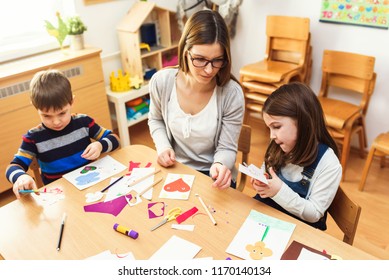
(30, 231)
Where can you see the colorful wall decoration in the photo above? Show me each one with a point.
(370, 13)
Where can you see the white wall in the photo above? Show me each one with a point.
(249, 42)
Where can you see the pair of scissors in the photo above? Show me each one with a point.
(172, 215)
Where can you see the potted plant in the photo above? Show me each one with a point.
(60, 32)
(76, 29)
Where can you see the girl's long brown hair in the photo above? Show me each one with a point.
(299, 102)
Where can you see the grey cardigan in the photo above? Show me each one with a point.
(230, 104)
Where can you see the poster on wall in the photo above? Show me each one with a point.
(370, 13)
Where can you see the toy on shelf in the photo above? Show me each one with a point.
(144, 46)
(124, 82)
(134, 112)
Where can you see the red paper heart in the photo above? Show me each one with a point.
(177, 185)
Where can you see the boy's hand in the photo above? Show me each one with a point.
(221, 174)
(167, 158)
(93, 151)
(24, 182)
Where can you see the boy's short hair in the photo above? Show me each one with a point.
(50, 89)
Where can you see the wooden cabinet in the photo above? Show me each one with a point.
(135, 61)
(17, 115)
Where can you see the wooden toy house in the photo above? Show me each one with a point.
(146, 22)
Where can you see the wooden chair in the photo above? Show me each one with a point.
(244, 147)
(346, 214)
(34, 166)
(288, 57)
(348, 73)
(380, 147)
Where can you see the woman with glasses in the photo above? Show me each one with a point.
(196, 109)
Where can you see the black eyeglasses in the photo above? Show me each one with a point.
(202, 62)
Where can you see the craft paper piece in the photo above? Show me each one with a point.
(261, 237)
(299, 251)
(107, 255)
(176, 248)
(94, 172)
(177, 186)
(183, 227)
(156, 209)
(113, 207)
(49, 196)
(254, 172)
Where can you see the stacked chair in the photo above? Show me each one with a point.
(346, 75)
(288, 58)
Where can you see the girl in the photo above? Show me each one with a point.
(301, 159)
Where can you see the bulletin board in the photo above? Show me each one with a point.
(370, 13)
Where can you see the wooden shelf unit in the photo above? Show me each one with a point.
(168, 35)
(17, 115)
(119, 113)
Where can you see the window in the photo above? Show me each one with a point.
(22, 27)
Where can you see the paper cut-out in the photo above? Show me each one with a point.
(113, 207)
(156, 209)
(258, 251)
(177, 186)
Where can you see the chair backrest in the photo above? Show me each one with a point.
(244, 144)
(349, 71)
(346, 214)
(288, 39)
(34, 166)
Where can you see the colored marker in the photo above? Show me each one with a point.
(29, 191)
(126, 231)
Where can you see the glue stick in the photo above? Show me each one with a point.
(126, 231)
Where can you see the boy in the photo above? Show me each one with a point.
(62, 142)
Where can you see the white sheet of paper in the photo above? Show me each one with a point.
(254, 172)
(176, 248)
(252, 231)
(103, 169)
(309, 255)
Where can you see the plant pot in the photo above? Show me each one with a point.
(76, 42)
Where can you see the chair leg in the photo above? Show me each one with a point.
(366, 169)
(345, 153)
(383, 159)
(362, 144)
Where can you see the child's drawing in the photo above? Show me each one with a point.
(95, 172)
(261, 237)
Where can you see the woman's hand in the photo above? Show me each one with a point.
(24, 182)
(271, 188)
(221, 174)
(93, 151)
(167, 158)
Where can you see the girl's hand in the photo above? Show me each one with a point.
(270, 189)
(24, 182)
(93, 151)
(221, 174)
(167, 158)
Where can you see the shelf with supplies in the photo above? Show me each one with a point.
(118, 110)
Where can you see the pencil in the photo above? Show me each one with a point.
(113, 183)
(144, 177)
(61, 232)
(206, 209)
(265, 233)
